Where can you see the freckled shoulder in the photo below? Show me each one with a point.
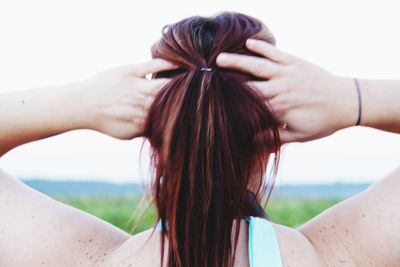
(296, 249)
(55, 234)
(362, 230)
(140, 250)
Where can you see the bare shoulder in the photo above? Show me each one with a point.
(362, 230)
(142, 249)
(296, 249)
(49, 233)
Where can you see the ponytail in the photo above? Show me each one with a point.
(211, 137)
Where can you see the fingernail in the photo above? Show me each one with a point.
(163, 80)
(251, 83)
(172, 64)
(251, 42)
(221, 59)
(169, 64)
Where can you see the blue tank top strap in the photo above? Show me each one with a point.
(263, 245)
(159, 226)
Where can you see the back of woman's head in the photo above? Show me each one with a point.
(211, 137)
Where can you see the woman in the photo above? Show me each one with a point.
(212, 136)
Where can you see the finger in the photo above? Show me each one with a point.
(152, 87)
(147, 102)
(286, 136)
(280, 106)
(256, 66)
(268, 89)
(152, 66)
(267, 50)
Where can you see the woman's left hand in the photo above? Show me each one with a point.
(309, 102)
(118, 99)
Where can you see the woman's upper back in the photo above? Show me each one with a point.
(358, 232)
(260, 244)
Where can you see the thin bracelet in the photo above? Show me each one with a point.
(359, 101)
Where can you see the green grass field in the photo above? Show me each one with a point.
(121, 211)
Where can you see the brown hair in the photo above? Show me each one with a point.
(211, 137)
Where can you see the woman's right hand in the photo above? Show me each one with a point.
(114, 102)
(309, 101)
(117, 100)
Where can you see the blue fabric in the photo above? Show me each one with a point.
(263, 244)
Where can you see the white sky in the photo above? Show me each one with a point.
(54, 42)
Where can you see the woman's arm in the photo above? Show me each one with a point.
(36, 230)
(363, 230)
(113, 102)
(381, 99)
(311, 101)
(39, 113)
